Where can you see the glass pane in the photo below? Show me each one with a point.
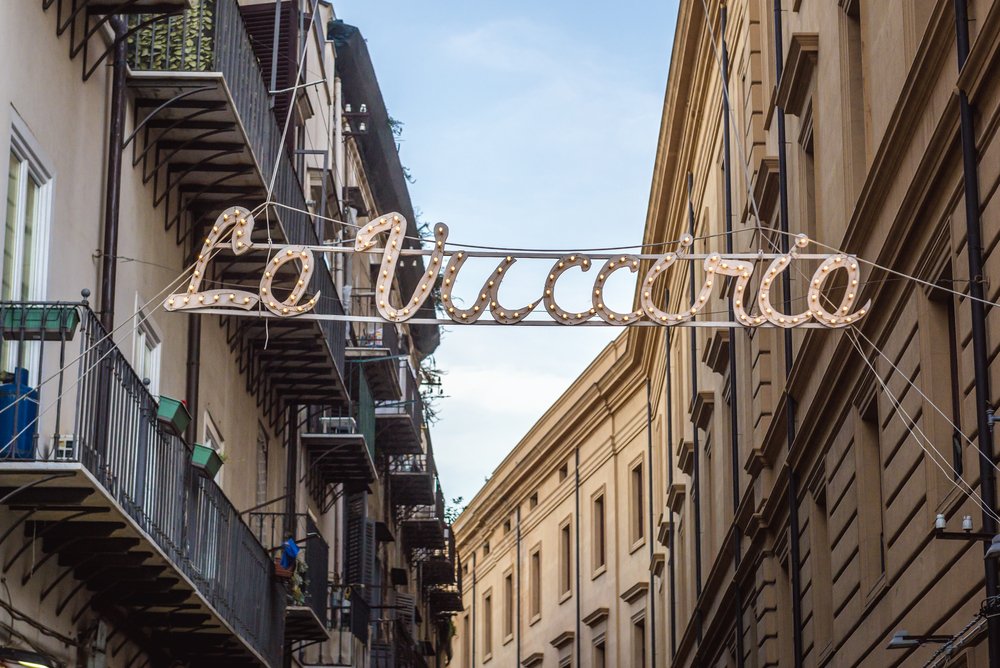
(10, 229)
(32, 201)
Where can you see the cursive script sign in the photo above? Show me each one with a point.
(751, 307)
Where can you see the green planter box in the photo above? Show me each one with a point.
(206, 459)
(40, 323)
(174, 415)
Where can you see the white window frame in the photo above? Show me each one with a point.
(212, 438)
(145, 331)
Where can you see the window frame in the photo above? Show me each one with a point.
(535, 584)
(636, 503)
(566, 559)
(487, 625)
(507, 621)
(599, 527)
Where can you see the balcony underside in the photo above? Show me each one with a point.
(301, 623)
(106, 562)
(381, 371)
(437, 571)
(136, 6)
(444, 601)
(340, 459)
(411, 488)
(396, 432)
(422, 533)
(194, 150)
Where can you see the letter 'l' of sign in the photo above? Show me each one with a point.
(750, 310)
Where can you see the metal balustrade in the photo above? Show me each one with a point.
(212, 37)
(380, 336)
(73, 398)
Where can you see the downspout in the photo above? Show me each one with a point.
(472, 627)
(733, 405)
(649, 542)
(970, 160)
(193, 374)
(670, 482)
(517, 562)
(291, 467)
(576, 537)
(786, 289)
(696, 473)
(113, 187)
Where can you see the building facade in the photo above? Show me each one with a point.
(155, 465)
(789, 485)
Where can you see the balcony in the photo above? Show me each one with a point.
(422, 527)
(437, 566)
(110, 513)
(340, 448)
(444, 600)
(307, 594)
(400, 422)
(208, 139)
(411, 480)
(375, 348)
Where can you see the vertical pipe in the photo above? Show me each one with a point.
(193, 374)
(980, 352)
(649, 541)
(786, 288)
(472, 627)
(733, 396)
(113, 186)
(576, 536)
(672, 586)
(517, 560)
(291, 466)
(696, 473)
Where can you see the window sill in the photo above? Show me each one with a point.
(508, 638)
(565, 596)
(636, 545)
(487, 657)
(599, 571)
(534, 620)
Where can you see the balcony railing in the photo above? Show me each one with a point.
(269, 528)
(380, 336)
(212, 37)
(83, 404)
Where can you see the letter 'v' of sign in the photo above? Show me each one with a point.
(751, 306)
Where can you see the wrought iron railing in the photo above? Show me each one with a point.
(422, 463)
(350, 611)
(426, 512)
(85, 404)
(269, 528)
(354, 417)
(411, 404)
(212, 37)
(376, 335)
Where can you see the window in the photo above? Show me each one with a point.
(213, 439)
(941, 324)
(146, 354)
(466, 642)
(871, 523)
(857, 114)
(563, 472)
(486, 549)
(639, 643)
(600, 533)
(508, 606)
(27, 220)
(532, 500)
(487, 625)
(261, 465)
(600, 657)
(506, 527)
(535, 584)
(636, 528)
(822, 582)
(565, 560)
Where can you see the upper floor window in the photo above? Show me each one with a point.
(26, 224)
(146, 355)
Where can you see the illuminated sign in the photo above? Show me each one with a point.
(751, 307)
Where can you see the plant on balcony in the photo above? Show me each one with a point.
(207, 459)
(181, 44)
(40, 322)
(173, 414)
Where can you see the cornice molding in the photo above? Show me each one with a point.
(797, 73)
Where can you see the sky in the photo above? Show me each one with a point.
(527, 123)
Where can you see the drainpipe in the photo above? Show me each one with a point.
(786, 288)
(113, 186)
(517, 560)
(733, 397)
(670, 481)
(649, 541)
(472, 627)
(576, 536)
(291, 467)
(696, 473)
(193, 374)
(970, 160)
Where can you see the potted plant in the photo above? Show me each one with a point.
(173, 414)
(39, 322)
(207, 459)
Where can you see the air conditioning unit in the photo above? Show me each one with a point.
(339, 425)
(65, 447)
